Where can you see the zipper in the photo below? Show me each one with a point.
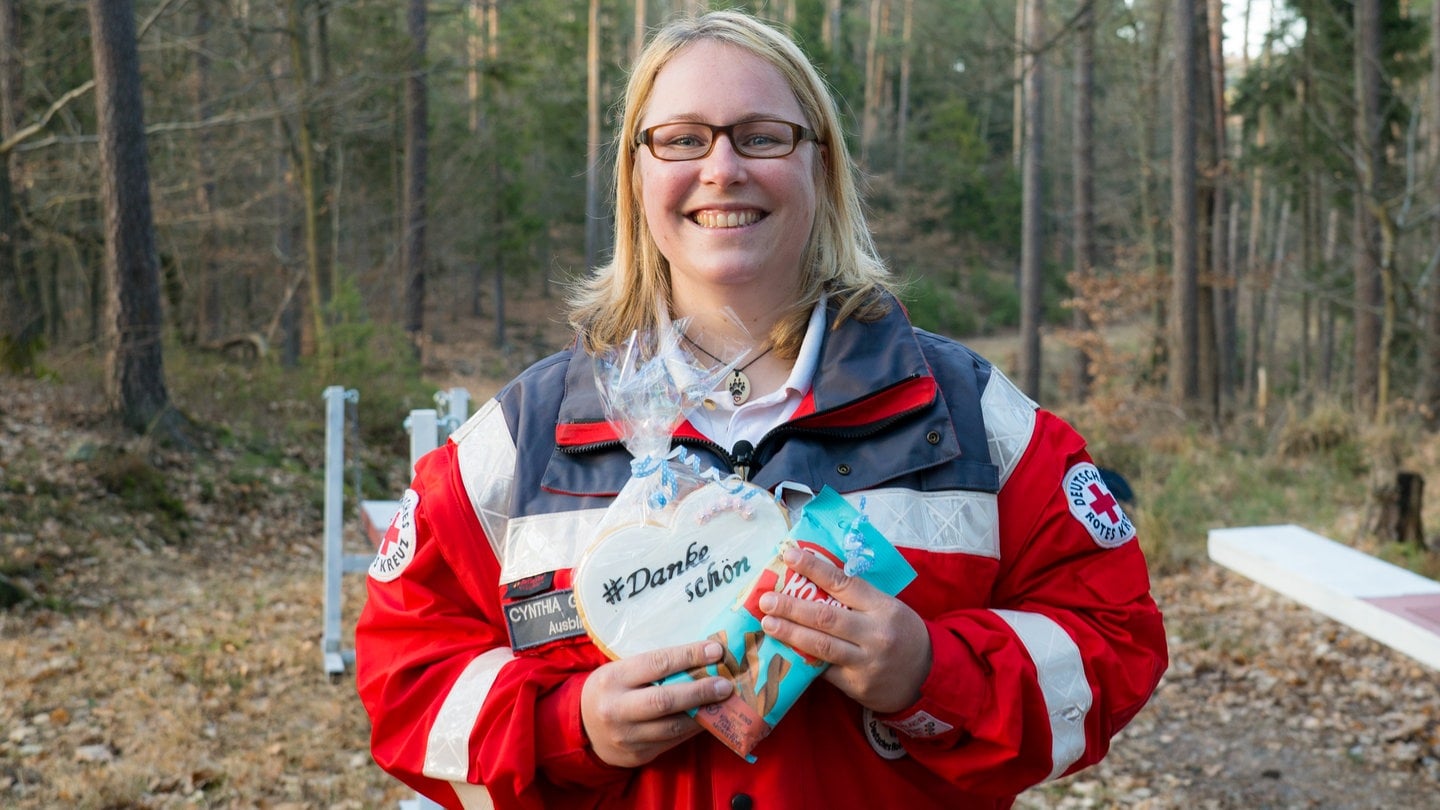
(741, 458)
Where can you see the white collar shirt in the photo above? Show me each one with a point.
(725, 423)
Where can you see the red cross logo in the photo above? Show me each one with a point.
(1104, 502)
(392, 534)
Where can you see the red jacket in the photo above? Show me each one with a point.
(1044, 636)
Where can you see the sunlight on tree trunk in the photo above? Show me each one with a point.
(134, 361)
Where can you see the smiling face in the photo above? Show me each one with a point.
(732, 228)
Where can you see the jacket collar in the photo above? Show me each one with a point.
(867, 373)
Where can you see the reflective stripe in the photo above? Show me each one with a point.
(1062, 681)
(1009, 422)
(539, 544)
(487, 466)
(472, 797)
(447, 750)
(941, 522)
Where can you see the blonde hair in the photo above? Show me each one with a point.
(840, 260)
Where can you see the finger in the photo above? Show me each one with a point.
(853, 591)
(656, 717)
(664, 700)
(827, 617)
(660, 663)
(807, 639)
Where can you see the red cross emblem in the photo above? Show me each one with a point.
(1104, 502)
(392, 534)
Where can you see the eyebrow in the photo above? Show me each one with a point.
(696, 118)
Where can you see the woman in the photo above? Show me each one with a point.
(1027, 641)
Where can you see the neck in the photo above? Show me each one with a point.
(721, 325)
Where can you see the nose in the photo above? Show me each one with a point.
(723, 165)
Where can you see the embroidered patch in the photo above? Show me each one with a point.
(397, 548)
(885, 741)
(920, 724)
(529, 586)
(1096, 508)
(543, 619)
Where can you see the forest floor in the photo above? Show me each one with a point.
(174, 658)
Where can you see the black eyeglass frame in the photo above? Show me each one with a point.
(801, 133)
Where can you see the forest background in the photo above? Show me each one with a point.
(1220, 262)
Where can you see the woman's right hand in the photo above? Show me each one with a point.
(631, 719)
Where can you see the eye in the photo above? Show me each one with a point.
(762, 139)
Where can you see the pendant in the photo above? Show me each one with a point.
(739, 387)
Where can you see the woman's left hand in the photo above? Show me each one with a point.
(878, 650)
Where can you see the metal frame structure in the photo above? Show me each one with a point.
(427, 428)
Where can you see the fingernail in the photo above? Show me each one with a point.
(713, 650)
(790, 555)
(770, 624)
(767, 601)
(723, 688)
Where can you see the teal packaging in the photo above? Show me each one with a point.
(770, 676)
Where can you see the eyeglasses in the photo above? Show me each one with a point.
(691, 140)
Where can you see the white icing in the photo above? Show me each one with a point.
(644, 585)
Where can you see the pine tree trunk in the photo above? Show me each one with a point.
(1032, 215)
(869, 116)
(205, 325)
(1369, 292)
(134, 324)
(593, 145)
(1184, 352)
(413, 249)
(21, 321)
(902, 117)
(1222, 271)
(304, 148)
(1083, 161)
(1429, 393)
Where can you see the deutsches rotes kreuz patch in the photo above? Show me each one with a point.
(397, 549)
(882, 738)
(1096, 508)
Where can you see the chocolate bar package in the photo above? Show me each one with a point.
(770, 676)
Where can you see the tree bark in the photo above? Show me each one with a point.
(1369, 292)
(1222, 271)
(413, 249)
(135, 370)
(1148, 111)
(902, 116)
(830, 31)
(1429, 394)
(304, 148)
(637, 42)
(593, 144)
(870, 113)
(1032, 211)
(205, 325)
(21, 323)
(1083, 161)
(1184, 353)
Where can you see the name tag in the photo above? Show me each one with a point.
(542, 619)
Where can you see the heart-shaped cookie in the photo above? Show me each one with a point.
(645, 585)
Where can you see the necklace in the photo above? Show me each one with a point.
(738, 385)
